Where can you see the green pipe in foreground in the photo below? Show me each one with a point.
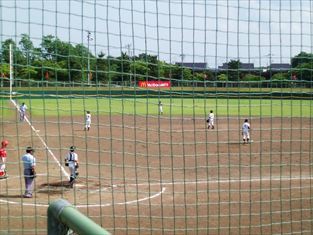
(62, 216)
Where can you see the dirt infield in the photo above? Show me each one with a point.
(161, 175)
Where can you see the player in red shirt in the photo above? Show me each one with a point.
(3, 158)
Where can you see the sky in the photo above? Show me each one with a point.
(211, 31)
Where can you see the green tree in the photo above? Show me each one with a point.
(139, 70)
(168, 71)
(4, 73)
(48, 47)
(186, 74)
(252, 77)
(72, 60)
(27, 72)
(222, 77)
(28, 50)
(234, 70)
(123, 67)
(302, 66)
(5, 52)
(204, 76)
(48, 69)
(280, 76)
(279, 80)
(301, 58)
(198, 76)
(304, 71)
(4, 70)
(152, 63)
(18, 58)
(101, 68)
(78, 63)
(209, 75)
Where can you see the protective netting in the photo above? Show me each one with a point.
(150, 73)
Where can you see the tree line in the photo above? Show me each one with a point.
(56, 60)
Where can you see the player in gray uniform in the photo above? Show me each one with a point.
(29, 163)
(246, 131)
(71, 160)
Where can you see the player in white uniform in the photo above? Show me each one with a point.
(160, 108)
(210, 120)
(23, 108)
(246, 131)
(87, 121)
(71, 160)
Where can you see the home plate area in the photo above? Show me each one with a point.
(80, 186)
(92, 190)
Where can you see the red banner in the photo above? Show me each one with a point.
(154, 84)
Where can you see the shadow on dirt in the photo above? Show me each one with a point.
(54, 187)
(11, 196)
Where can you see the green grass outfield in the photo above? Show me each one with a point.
(172, 107)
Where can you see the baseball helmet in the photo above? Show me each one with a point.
(4, 143)
(72, 148)
(29, 149)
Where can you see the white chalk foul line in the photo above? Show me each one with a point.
(241, 180)
(88, 205)
(84, 205)
(127, 202)
(212, 181)
(43, 142)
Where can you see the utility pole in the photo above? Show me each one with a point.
(128, 46)
(269, 56)
(182, 58)
(89, 38)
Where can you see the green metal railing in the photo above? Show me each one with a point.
(62, 216)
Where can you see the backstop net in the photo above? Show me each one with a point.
(171, 88)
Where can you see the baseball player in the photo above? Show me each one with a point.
(87, 121)
(210, 120)
(71, 160)
(29, 163)
(160, 107)
(246, 131)
(23, 109)
(3, 156)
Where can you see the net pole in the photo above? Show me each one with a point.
(11, 70)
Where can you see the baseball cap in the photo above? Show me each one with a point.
(29, 149)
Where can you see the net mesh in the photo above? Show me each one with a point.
(150, 72)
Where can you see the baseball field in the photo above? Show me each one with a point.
(144, 173)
